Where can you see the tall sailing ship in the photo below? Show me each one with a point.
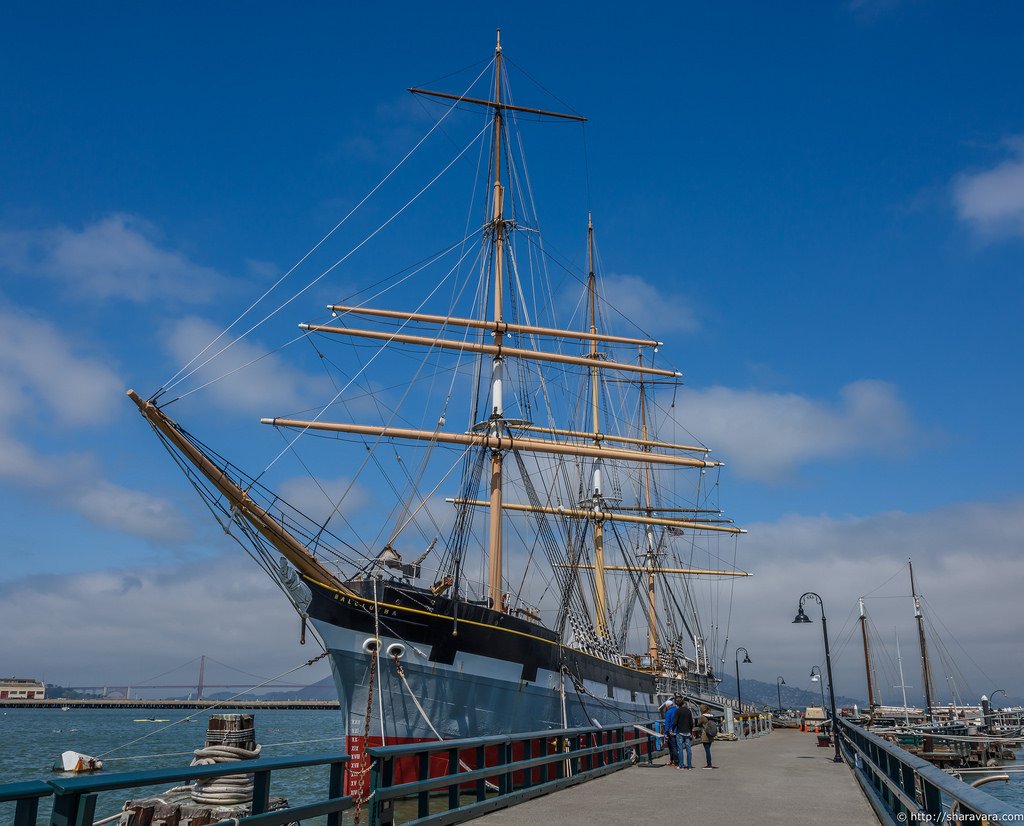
(552, 561)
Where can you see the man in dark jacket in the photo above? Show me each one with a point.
(670, 729)
(684, 734)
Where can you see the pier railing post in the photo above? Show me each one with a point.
(335, 788)
(26, 812)
(481, 762)
(527, 755)
(65, 809)
(423, 798)
(504, 758)
(453, 770)
(382, 776)
(260, 792)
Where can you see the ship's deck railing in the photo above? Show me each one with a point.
(74, 798)
(902, 787)
(456, 780)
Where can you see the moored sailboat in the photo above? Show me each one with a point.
(559, 454)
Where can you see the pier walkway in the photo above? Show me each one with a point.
(782, 778)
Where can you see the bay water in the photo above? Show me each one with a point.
(31, 742)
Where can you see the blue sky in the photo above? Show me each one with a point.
(824, 203)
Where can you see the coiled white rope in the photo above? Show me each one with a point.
(231, 789)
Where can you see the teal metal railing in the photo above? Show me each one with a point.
(902, 787)
(494, 772)
(448, 781)
(74, 798)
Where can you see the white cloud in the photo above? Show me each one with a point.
(248, 376)
(130, 511)
(116, 258)
(48, 387)
(318, 498)
(968, 548)
(39, 367)
(142, 621)
(659, 312)
(992, 201)
(767, 435)
(221, 607)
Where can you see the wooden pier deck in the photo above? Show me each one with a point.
(781, 778)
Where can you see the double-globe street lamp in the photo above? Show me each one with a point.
(816, 678)
(779, 683)
(801, 617)
(746, 659)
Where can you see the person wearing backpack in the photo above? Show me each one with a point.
(684, 734)
(709, 730)
(670, 709)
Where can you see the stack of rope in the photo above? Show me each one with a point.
(229, 790)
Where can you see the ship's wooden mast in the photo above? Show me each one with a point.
(600, 593)
(652, 629)
(494, 547)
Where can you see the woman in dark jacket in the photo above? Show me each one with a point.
(709, 729)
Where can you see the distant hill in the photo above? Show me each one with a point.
(322, 690)
(765, 694)
(60, 692)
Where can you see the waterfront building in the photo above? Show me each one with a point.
(19, 688)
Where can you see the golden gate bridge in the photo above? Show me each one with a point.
(198, 687)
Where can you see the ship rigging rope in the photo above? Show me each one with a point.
(400, 670)
(178, 377)
(317, 279)
(394, 413)
(376, 354)
(213, 499)
(951, 636)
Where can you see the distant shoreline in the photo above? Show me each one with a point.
(199, 705)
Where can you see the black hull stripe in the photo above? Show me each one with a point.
(480, 631)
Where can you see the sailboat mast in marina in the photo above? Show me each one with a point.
(926, 671)
(522, 619)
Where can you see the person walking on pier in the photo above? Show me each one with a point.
(709, 730)
(670, 709)
(684, 734)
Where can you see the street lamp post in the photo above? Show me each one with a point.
(816, 678)
(992, 696)
(746, 659)
(801, 617)
(779, 683)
